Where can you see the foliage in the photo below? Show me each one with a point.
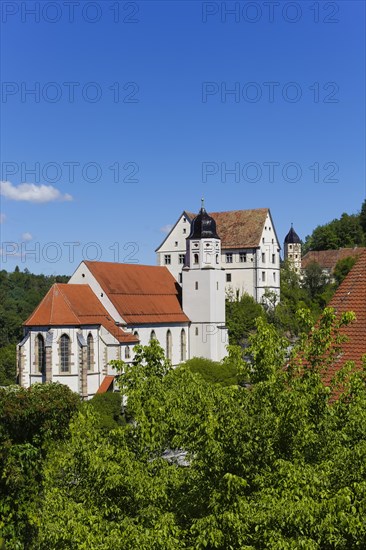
(225, 373)
(314, 279)
(241, 314)
(30, 419)
(107, 407)
(342, 268)
(7, 365)
(347, 231)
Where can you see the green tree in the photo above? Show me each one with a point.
(241, 315)
(342, 268)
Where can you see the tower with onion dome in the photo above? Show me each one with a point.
(203, 289)
(292, 250)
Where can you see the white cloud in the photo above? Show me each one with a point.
(2, 217)
(166, 229)
(27, 236)
(31, 192)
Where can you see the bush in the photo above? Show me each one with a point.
(213, 372)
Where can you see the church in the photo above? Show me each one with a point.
(107, 308)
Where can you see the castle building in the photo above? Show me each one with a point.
(250, 250)
(107, 308)
(292, 250)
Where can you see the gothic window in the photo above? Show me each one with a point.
(168, 345)
(195, 258)
(90, 352)
(64, 353)
(40, 354)
(152, 335)
(183, 345)
(127, 352)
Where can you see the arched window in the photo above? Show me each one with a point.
(152, 335)
(127, 352)
(90, 352)
(183, 345)
(168, 345)
(195, 258)
(65, 353)
(135, 333)
(40, 354)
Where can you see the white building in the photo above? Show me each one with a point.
(107, 308)
(250, 250)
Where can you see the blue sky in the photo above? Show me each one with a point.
(132, 121)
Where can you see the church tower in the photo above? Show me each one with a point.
(292, 250)
(203, 292)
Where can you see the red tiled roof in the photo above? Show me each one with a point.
(75, 305)
(328, 259)
(351, 296)
(106, 384)
(239, 228)
(141, 294)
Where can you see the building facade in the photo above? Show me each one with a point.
(250, 251)
(107, 308)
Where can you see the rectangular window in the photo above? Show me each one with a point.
(180, 278)
(181, 258)
(263, 275)
(273, 258)
(228, 277)
(196, 285)
(263, 257)
(184, 230)
(176, 243)
(242, 257)
(167, 259)
(229, 258)
(274, 276)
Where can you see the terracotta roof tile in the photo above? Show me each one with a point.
(106, 384)
(75, 305)
(328, 259)
(141, 294)
(239, 228)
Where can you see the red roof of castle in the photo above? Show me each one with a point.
(328, 259)
(75, 305)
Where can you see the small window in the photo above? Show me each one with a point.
(196, 285)
(290, 246)
(273, 258)
(263, 257)
(217, 258)
(229, 258)
(242, 257)
(196, 331)
(217, 286)
(262, 239)
(181, 258)
(274, 276)
(295, 256)
(127, 352)
(176, 243)
(167, 259)
(272, 241)
(184, 230)
(184, 220)
(183, 345)
(152, 335)
(180, 278)
(195, 259)
(263, 275)
(228, 277)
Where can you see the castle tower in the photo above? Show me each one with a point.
(203, 289)
(292, 250)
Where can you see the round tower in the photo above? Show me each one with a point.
(292, 249)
